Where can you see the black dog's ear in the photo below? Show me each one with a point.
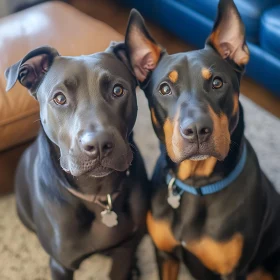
(31, 69)
(228, 34)
(142, 50)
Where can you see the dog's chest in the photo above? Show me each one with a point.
(110, 236)
(89, 235)
(220, 256)
(197, 231)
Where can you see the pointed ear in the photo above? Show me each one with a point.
(228, 35)
(142, 50)
(31, 69)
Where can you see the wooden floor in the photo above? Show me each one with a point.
(111, 12)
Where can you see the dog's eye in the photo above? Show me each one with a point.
(217, 83)
(118, 91)
(59, 99)
(165, 89)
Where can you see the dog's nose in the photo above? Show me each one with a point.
(96, 144)
(199, 130)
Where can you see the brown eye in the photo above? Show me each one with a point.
(118, 91)
(217, 83)
(59, 99)
(165, 89)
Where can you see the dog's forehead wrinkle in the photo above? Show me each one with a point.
(64, 68)
(202, 59)
(96, 64)
(169, 63)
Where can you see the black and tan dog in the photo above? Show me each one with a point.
(212, 206)
(78, 186)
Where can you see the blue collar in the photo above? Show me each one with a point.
(211, 188)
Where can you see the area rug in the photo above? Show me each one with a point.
(21, 256)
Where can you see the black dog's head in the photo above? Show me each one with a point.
(193, 96)
(87, 106)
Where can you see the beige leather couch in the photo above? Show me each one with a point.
(56, 24)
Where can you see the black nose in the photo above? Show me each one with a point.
(97, 144)
(199, 130)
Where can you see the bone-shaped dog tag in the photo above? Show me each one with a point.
(109, 218)
(173, 200)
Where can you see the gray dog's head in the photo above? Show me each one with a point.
(87, 106)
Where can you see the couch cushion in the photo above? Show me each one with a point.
(56, 24)
(250, 11)
(270, 31)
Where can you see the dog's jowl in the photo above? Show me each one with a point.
(212, 207)
(80, 186)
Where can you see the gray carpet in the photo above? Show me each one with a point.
(21, 256)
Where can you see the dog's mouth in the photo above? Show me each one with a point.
(100, 172)
(196, 152)
(97, 172)
(179, 147)
(96, 168)
(199, 157)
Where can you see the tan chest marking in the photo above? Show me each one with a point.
(202, 168)
(161, 234)
(221, 257)
(170, 270)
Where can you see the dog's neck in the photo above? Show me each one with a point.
(109, 184)
(210, 170)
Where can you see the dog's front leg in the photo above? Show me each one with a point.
(124, 259)
(122, 263)
(168, 266)
(59, 272)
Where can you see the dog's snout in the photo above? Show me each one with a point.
(188, 131)
(97, 144)
(199, 130)
(88, 143)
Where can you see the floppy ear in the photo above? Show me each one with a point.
(228, 34)
(141, 49)
(119, 50)
(31, 69)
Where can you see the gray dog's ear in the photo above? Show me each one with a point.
(119, 50)
(31, 69)
(142, 50)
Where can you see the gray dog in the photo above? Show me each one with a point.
(78, 186)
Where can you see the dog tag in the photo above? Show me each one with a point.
(109, 218)
(173, 200)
